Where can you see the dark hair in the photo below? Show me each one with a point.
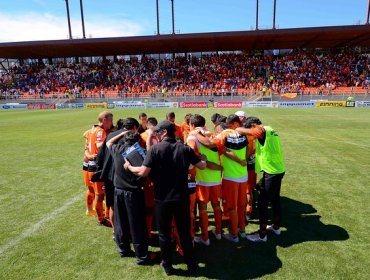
(250, 121)
(142, 115)
(119, 124)
(221, 119)
(187, 117)
(170, 115)
(127, 140)
(130, 123)
(233, 118)
(131, 138)
(153, 121)
(198, 120)
(215, 117)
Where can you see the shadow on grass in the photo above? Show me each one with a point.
(246, 260)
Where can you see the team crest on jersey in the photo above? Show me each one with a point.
(273, 133)
(99, 135)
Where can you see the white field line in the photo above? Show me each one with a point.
(35, 227)
(205, 110)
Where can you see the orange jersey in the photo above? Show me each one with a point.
(185, 130)
(144, 137)
(179, 133)
(94, 138)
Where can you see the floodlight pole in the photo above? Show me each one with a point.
(368, 13)
(173, 17)
(157, 8)
(69, 20)
(273, 21)
(257, 14)
(82, 20)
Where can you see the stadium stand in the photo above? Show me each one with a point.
(297, 72)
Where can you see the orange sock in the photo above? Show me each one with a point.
(106, 209)
(218, 219)
(89, 198)
(99, 210)
(233, 222)
(241, 217)
(111, 216)
(203, 218)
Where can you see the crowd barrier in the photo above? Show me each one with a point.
(188, 105)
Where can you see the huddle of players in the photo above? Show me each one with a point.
(227, 182)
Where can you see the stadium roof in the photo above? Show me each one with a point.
(314, 37)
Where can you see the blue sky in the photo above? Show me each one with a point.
(28, 20)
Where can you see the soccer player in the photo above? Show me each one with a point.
(143, 123)
(185, 126)
(242, 116)
(235, 176)
(150, 139)
(208, 181)
(170, 116)
(269, 160)
(90, 194)
(94, 140)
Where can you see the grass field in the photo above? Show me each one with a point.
(44, 233)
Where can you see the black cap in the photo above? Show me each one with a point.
(167, 125)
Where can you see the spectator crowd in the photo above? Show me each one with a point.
(216, 74)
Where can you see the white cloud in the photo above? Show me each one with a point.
(37, 26)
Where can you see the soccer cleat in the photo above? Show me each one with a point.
(127, 254)
(198, 239)
(105, 223)
(168, 269)
(90, 213)
(217, 235)
(271, 228)
(256, 237)
(242, 234)
(193, 270)
(231, 238)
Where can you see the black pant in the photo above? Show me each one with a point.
(109, 193)
(129, 223)
(270, 192)
(181, 212)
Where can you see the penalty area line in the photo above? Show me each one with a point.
(35, 227)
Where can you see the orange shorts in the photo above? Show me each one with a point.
(252, 181)
(98, 186)
(234, 193)
(209, 193)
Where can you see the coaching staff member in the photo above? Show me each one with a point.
(168, 164)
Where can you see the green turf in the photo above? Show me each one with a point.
(44, 233)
